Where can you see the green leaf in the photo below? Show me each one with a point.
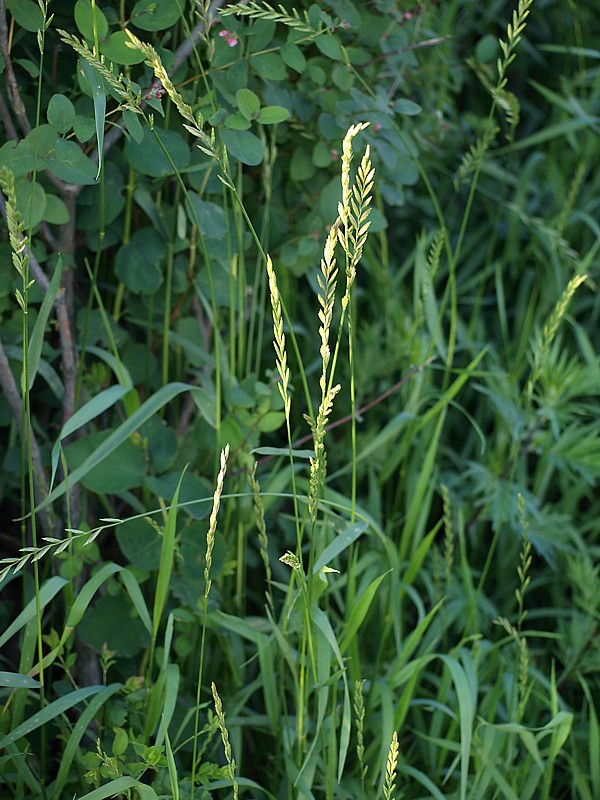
(14, 680)
(85, 596)
(167, 555)
(269, 66)
(237, 122)
(407, 107)
(137, 263)
(70, 164)
(271, 115)
(293, 57)
(91, 410)
(329, 45)
(125, 469)
(140, 544)
(156, 15)
(210, 217)
(127, 638)
(48, 591)
(341, 542)
(60, 113)
(99, 97)
(50, 712)
(133, 125)
(118, 436)
(56, 212)
(244, 146)
(117, 787)
(347, 11)
(27, 14)
(248, 103)
(359, 611)
(148, 157)
(76, 734)
(117, 50)
(84, 19)
(31, 201)
(37, 336)
(19, 158)
(84, 128)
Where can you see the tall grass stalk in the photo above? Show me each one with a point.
(210, 543)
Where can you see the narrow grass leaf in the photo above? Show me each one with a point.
(99, 97)
(465, 690)
(85, 596)
(118, 786)
(167, 556)
(36, 340)
(421, 778)
(91, 410)
(77, 733)
(171, 764)
(359, 612)
(341, 542)
(50, 712)
(47, 593)
(145, 412)
(170, 702)
(323, 623)
(14, 680)
(132, 587)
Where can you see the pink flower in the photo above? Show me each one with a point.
(229, 37)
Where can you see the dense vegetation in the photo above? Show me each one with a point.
(300, 440)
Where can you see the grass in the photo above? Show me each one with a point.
(358, 560)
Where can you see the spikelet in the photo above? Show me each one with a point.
(390, 770)
(212, 526)
(225, 738)
(279, 341)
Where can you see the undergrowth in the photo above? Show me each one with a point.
(299, 368)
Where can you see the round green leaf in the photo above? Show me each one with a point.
(160, 440)
(70, 164)
(210, 216)
(134, 126)
(116, 49)
(156, 15)
(271, 115)
(124, 468)
(407, 107)
(147, 157)
(321, 156)
(248, 103)
(244, 146)
(61, 113)
(31, 201)
(192, 489)
(84, 128)
(140, 544)
(269, 66)
(84, 19)
(27, 14)
(301, 166)
(237, 122)
(293, 57)
(136, 263)
(112, 621)
(56, 212)
(19, 158)
(329, 45)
